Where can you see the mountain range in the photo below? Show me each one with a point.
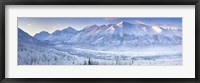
(120, 34)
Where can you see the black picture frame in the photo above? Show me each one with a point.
(98, 2)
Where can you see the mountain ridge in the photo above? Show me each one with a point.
(122, 33)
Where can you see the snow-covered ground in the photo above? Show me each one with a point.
(30, 54)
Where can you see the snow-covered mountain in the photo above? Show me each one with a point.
(127, 34)
(24, 37)
(58, 36)
(42, 35)
(120, 34)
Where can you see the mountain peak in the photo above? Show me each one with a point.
(122, 23)
(41, 35)
(44, 32)
(68, 29)
(94, 25)
(103, 26)
(157, 29)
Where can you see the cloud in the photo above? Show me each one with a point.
(139, 22)
(111, 19)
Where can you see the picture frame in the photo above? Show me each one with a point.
(98, 2)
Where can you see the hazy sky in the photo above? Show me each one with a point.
(35, 25)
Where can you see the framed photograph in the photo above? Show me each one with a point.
(106, 41)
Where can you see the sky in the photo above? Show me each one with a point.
(33, 25)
